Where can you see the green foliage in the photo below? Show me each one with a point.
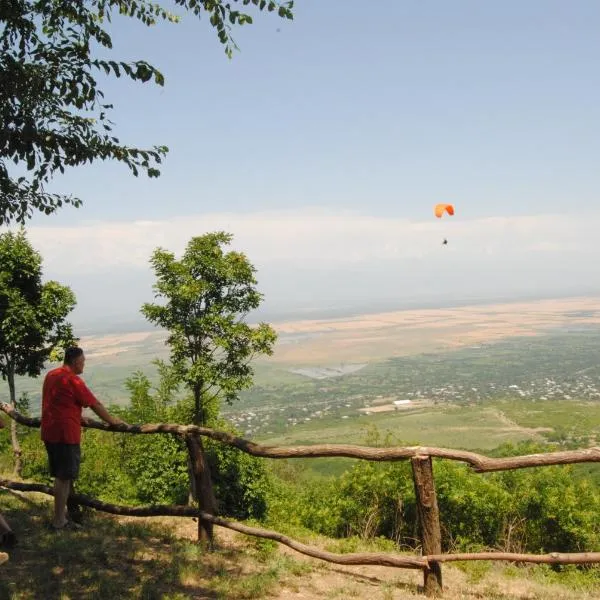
(32, 314)
(582, 579)
(207, 295)
(153, 469)
(4, 442)
(297, 502)
(471, 506)
(104, 473)
(535, 510)
(35, 458)
(157, 464)
(53, 114)
(240, 481)
(260, 549)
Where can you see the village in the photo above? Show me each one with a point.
(322, 403)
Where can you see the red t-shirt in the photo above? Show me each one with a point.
(63, 396)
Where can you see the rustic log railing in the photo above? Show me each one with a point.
(421, 461)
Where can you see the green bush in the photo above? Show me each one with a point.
(537, 510)
(240, 481)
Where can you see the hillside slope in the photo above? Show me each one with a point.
(156, 559)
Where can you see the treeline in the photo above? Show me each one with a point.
(535, 510)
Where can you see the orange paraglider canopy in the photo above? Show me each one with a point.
(440, 209)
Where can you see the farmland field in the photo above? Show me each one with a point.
(469, 427)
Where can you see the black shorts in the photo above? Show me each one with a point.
(64, 460)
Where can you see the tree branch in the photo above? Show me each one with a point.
(214, 395)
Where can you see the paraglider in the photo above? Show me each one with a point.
(439, 211)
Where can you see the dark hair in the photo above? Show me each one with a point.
(72, 354)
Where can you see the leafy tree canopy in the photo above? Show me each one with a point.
(32, 314)
(205, 298)
(53, 113)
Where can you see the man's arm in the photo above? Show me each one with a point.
(101, 411)
(86, 399)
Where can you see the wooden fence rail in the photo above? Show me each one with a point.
(360, 558)
(421, 461)
(478, 462)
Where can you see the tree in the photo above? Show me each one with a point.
(207, 297)
(53, 113)
(157, 464)
(32, 317)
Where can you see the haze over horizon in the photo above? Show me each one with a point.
(324, 145)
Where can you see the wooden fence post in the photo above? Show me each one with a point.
(202, 488)
(429, 521)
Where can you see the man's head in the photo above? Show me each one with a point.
(75, 359)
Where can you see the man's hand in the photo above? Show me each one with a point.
(99, 409)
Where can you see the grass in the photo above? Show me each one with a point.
(470, 427)
(575, 417)
(110, 558)
(474, 427)
(157, 559)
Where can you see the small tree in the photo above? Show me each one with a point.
(207, 297)
(32, 317)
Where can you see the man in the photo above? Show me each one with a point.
(64, 395)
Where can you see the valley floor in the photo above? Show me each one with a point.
(157, 559)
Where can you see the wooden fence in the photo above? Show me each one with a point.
(421, 459)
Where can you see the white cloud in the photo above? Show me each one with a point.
(321, 259)
(316, 237)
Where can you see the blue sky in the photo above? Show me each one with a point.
(492, 105)
(344, 114)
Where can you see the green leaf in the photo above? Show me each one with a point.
(205, 294)
(49, 63)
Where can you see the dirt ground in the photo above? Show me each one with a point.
(339, 582)
(158, 559)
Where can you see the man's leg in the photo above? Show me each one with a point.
(74, 511)
(64, 467)
(62, 487)
(7, 536)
